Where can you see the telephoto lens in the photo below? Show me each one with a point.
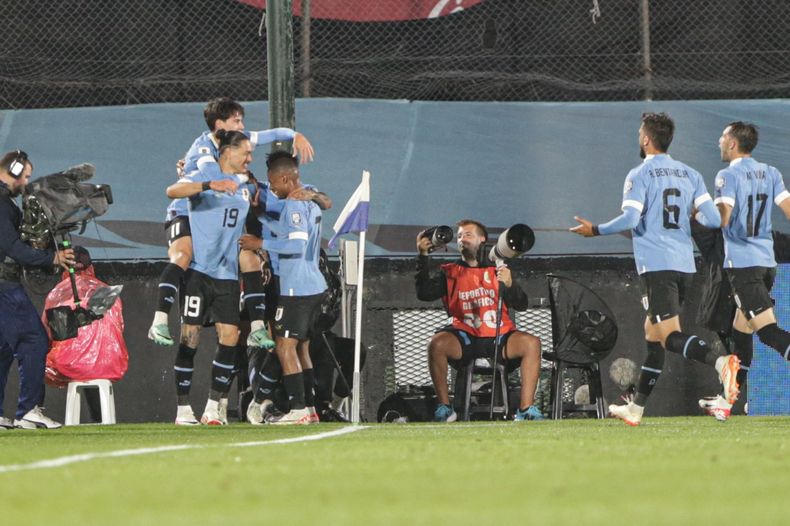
(511, 243)
(439, 235)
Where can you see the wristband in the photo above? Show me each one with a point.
(205, 186)
(595, 230)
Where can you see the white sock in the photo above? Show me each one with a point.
(160, 318)
(257, 325)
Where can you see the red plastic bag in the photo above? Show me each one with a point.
(99, 350)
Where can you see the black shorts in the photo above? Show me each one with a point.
(751, 288)
(473, 348)
(272, 298)
(296, 316)
(663, 292)
(176, 228)
(206, 298)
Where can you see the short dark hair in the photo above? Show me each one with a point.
(745, 134)
(230, 139)
(282, 161)
(14, 155)
(222, 108)
(481, 229)
(660, 128)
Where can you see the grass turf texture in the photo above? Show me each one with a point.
(667, 471)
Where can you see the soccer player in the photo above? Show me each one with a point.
(659, 196)
(217, 208)
(745, 194)
(220, 114)
(301, 290)
(259, 231)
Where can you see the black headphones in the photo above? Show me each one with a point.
(17, 164)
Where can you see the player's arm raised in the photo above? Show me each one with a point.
(186, 188)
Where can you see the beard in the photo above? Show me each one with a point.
(468, 252)
(642, 154)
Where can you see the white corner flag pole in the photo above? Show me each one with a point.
(358, 330)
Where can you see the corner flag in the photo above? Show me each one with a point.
(354, 217)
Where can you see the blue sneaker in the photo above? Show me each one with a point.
(530, 413)
(444, 413)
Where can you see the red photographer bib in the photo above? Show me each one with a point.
(472, 298)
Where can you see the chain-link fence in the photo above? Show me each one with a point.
(78, 53)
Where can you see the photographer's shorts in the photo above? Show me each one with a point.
(473, 348)
(751, 288)
(206, 298)
(663, 292)
(176, 228)
(296, 315)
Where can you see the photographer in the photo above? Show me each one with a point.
(469, 289)
(22, 336)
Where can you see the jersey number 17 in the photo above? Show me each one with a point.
(752, 224)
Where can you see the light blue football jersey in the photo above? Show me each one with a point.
(664, 191)
(270, 219)
(298, 246)
(750, 188)
(217, 222)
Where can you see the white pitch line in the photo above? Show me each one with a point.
(84, 457)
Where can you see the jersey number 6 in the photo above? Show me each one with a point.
(671, 223)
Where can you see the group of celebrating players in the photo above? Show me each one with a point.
(661, 197)
(216, 199)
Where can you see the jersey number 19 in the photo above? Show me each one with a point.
(230, 218)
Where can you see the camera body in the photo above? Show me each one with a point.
(439, 235)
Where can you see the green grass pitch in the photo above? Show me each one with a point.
(673, 471)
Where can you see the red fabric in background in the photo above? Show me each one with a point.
(376, 10)
(99, 350)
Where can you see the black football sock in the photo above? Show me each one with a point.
(222, 371)
(692, 347)
(169, 282)
(253, 294)
(294, 387)
(743, 348)
(184, 367)
(268, 378)
(779, 339)
(309, 383)
(651, 370)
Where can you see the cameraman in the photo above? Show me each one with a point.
(22, 336)
(469, 289)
